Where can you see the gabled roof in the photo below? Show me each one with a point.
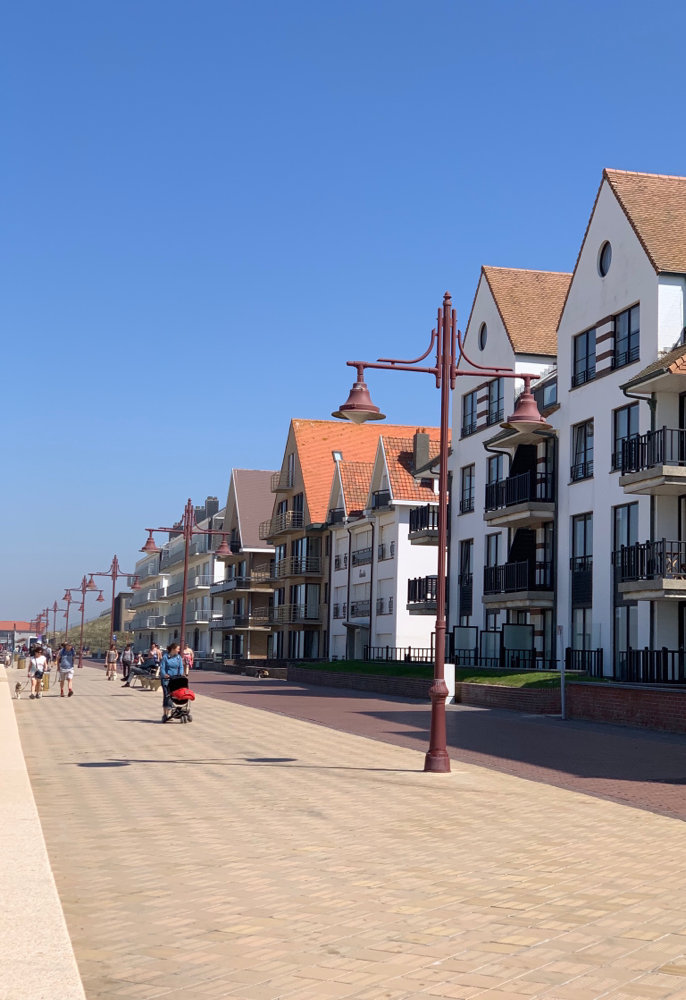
(356, 478)
(317, 439)
(254, 502)
(529, 303)
(11, 625)
(655, 205)
(399, 453)
(659, 372)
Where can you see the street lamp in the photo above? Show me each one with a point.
(187, 527)
(115, 571)
(359, 407)
(83, 589)
(54, 610)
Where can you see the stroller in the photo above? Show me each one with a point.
(181, 696)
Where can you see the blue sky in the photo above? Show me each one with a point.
(209, 207)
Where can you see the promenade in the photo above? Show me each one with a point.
(256, 855)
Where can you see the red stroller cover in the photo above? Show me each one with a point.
(182, 694)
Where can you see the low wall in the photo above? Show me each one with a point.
(402, 687)
(648, 706)
(538, 701)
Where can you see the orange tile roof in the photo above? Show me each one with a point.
(655, 205)
(399, 453)
(356, 478)
(11, 625)
(316, 439)
(530, 304)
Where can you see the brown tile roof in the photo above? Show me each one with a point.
(529, 303)
(316, 439)
(399, 455)
(673, 361)
(254, 502)
(356, 478)
(655, 205)
(12, 624)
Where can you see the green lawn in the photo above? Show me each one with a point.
(474, 675)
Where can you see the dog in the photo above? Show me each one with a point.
(261, 673)
(17, 690)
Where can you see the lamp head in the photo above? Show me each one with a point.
(223, 551)
(99, 598)
(67, 596)
(526, 416)
(359, 407)
(91, 584)
(150, 545)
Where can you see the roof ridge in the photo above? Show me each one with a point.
(524, 270)
(643, 173)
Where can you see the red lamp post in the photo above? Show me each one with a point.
(84, 587)
(187, 527)
(54, 610)
(114, 572)
(359, 407)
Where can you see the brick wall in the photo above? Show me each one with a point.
(646, 706)
(402, 687)
(539, 701)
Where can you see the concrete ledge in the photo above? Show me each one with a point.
(36, 957)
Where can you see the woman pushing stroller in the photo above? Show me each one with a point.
(171, 666)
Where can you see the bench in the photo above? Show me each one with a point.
(149, 682)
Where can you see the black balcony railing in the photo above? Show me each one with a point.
(495, 415)
(336, 515)
(663, 559)
(362, 557)
(340, 610)
(385, 550)
(588, 660)
(583, 376)
(360, 609)
(296, 566)
(644, 451)
(651, 666)
(467, 504)
(422, 590)
(341, 562)
(384, 605)
(465, 584)
(622, 358)
(468, 428)
(381, 498)
(520, 489)
(582, 470)
(399, 654)
(518, 576)
(424, 518)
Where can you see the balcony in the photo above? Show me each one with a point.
(282, 481)
(289, 520)
(381, 499)
(651, 666)
(148, 595)
(173, 618)
(360, 609)
(147, 622)
(340, 610)
(582, 470)
(385, 550)
(336, 515)
(581, 568)
(654, 463)
(203, 615)
(258, 620)
(296, 566)
(526, 584)
(288, 613)
(424, 525)
(384, 605)
(171, 558)
(421, 595)
(362, 557)
(258, 580)
(467, 504)
(341, 561)
(652, 571)
(520, 501)
(194, 583)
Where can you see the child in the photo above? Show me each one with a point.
(111, 657)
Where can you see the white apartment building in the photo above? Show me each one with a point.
(601, 555)
(383, 518)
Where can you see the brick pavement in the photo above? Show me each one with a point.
(639, 768)
(256, 856)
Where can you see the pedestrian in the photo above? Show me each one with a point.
(111, 657)
(48, 655)
(188, 659)
(37, 667)
(127, 659)
(65, 667)
(171, 666)
(145, 666)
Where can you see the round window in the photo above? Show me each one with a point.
(604, 259)
(483, 336)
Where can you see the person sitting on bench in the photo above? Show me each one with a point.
(147, 669)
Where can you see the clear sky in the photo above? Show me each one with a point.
(208, 207)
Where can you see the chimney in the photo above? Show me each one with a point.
(175, 534)
(211, 507)
(421, 450)
(200, 514)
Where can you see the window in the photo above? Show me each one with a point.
(465, 580)
(492, 546)
(299, 502)
(627, 334)
(584, 358)
(467, 489)
(469, 413)
(604, 259)
(483, 336)
(495, 469)
(625, 525)
(582, 451)
(582, 544)
(496, 400)
(625, 426)
(582, 619)
(546, 395)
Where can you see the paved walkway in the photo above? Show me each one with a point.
(256, 856)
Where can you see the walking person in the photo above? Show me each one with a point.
(171, 666)
(65, 668)
(111, 658)
(38, 664)
(127, 658)
(188, 659)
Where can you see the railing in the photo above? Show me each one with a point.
(203, 615)
(336, 515)
(520, 489)
(516, 576)
(147, 596)
(583, 376)
(467, 504)
(171, 558)
(296, 566)
(424, 518)
(385, 550)
(340, 610)
(469, 428)
(664, 560)
(582, 581)
(174, 618)
(643, 451)
(361, 557)
(258, 619)
(384, 605)
(281, 481)
(582, 470)
(360, 609)
(287, 521)
(651, 666)
(398, 654)
(494, 416)
(622, 358)
(294, 613)
(465, 584)
(241, 582)
(422, 590)
(341, 562)
(580, 564)
(588, 660)
(148, 621)
(381, 498)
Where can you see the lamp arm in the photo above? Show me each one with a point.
(460, 344)
(396, 361)
(393, 367)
